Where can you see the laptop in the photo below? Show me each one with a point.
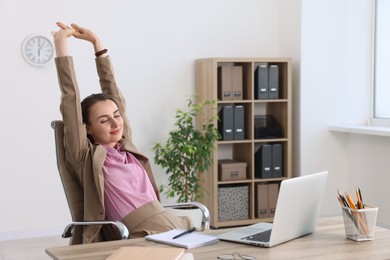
(296, 214)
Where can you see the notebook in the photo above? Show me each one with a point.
(191, 240)
(296, 214)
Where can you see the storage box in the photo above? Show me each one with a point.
(233, 202)
(360, 223)
(230, 170)
(267, 127)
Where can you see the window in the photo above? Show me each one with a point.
(381, 93)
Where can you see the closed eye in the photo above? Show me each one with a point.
(117, 114)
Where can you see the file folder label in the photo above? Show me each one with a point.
(237, 94)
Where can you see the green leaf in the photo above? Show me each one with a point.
(187, 151)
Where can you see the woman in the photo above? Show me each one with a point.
(116, 178)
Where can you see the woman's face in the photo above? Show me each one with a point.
(106, 123)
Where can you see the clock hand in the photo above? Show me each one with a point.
(39, 49)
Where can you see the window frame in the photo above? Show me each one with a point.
(374, 120)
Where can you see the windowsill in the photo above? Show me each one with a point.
(361, 129)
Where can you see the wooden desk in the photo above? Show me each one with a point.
(328, 242)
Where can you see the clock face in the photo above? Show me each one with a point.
(37, 50)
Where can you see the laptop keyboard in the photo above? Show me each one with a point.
(263, 236)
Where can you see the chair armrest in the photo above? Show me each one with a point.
(123, 231)
(205, 211)
(53, 123)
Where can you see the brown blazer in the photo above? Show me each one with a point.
(86, 159)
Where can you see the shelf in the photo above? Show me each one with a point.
(361, 129)
(213, 83)
(243, 101)
(271, 140)
(245, 181)
(245, 141)
(252, 101)
(270, 101)
(256, 180)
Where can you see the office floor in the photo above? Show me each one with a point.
(29, 249)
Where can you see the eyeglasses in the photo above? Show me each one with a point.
(236, 256)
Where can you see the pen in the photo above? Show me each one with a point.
(351, 203)
(360, 199)
(184, 233)
(341, 196)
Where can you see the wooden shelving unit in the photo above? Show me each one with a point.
(244, 150)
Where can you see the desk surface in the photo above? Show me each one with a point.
(328, 241)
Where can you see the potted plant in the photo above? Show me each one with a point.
(187, 152)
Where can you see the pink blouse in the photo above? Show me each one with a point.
(126, 184)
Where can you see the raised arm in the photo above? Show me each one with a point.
(75, 133)
(105, 71)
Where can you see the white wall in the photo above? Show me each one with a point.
(369, 169)
(290, 46)
(335, 88)
(323, 92)
(153, 45)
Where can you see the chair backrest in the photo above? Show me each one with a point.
(72, 188)
(75, 195)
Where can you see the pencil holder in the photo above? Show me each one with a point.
(360, 223)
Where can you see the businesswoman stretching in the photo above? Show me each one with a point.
(116, 178)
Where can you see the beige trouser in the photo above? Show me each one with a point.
(153, 218)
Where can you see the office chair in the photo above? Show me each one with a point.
(74, 194)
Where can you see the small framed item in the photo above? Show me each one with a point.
(37, 50)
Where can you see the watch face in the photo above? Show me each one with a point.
(37, 50)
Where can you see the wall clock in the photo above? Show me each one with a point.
(37, 50)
